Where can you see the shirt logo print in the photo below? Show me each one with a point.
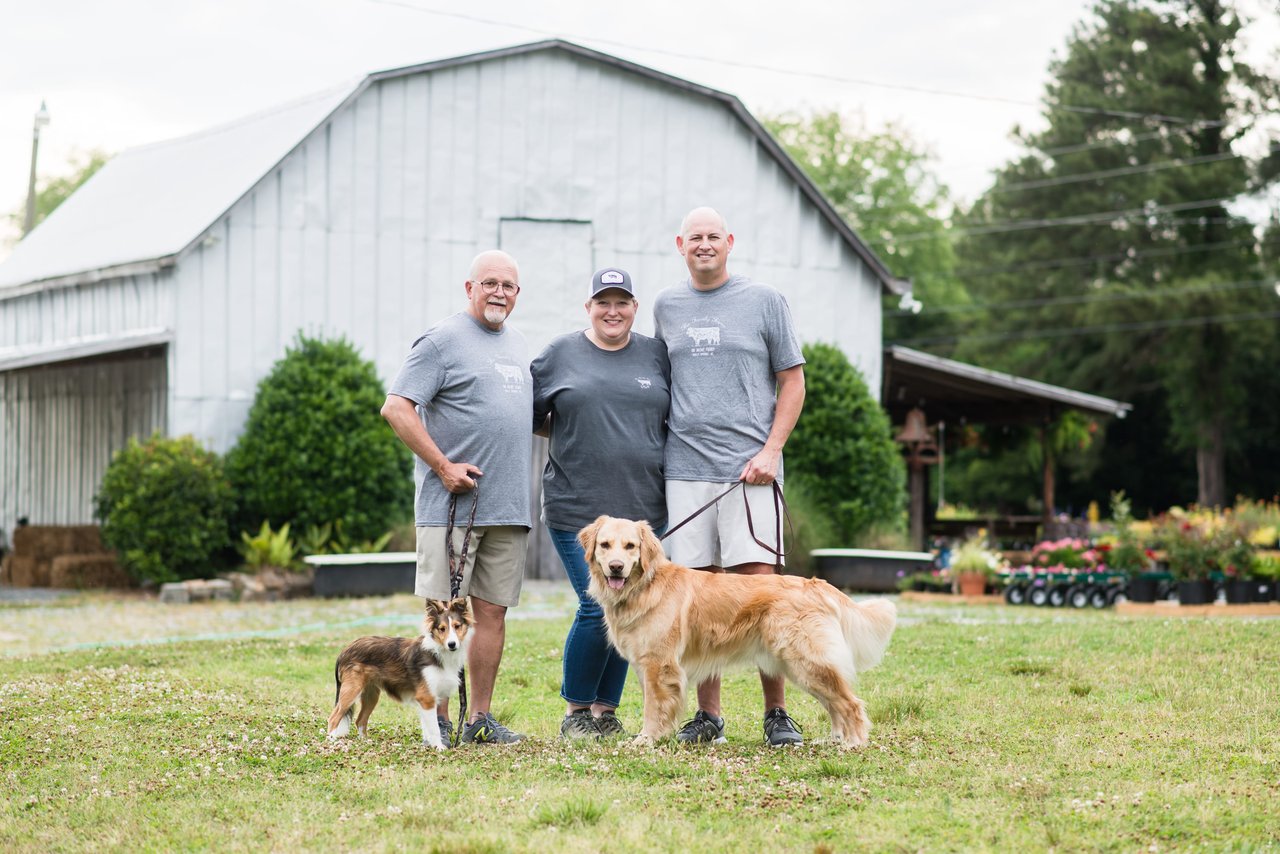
(705, 338)
(512, 376)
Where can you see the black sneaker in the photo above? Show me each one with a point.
(780, 730)
(579, 725)
(446, 731)
(702, 729)
(610, 726)
(486, 730)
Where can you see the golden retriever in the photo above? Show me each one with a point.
(676, 625)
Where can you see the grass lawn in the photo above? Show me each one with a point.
(994, 728)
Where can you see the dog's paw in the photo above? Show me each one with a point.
(643, 740)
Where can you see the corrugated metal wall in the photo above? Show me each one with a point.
(61, 425)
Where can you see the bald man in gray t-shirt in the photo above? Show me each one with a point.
(737, 388)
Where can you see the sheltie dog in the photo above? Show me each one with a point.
(417, 671)
(676, 625)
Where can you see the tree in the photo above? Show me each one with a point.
(315, 449)
(51, 192)
(882, 185)
(1117, 222)
(842, 450)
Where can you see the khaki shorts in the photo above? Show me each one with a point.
(495, 563)
(720, 536)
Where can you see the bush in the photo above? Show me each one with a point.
(164, 506)
(842, 448)
(811, 527)
(315, 449)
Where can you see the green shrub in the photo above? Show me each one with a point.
(843, 448)
(315, 449)
(164, 506)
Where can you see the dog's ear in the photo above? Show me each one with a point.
(436, 607)
(651, 553)
(462, 607)
(587, 537)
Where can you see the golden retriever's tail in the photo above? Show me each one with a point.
(868, 625)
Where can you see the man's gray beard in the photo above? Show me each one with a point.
(496, 314)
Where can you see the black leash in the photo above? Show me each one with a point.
(780, 510)
(457, 569)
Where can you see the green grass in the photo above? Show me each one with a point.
(994, 728)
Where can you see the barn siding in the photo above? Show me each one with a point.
(61, 425)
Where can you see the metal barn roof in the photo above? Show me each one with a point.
(150, 203)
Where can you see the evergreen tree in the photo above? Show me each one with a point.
(1117, 221)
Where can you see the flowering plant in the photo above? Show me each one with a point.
(1125, 551)
(1065, 555)
(1199, 541)
(973, 556)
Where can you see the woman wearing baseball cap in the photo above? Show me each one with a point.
(601, 394)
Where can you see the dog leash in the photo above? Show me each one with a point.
(457, 569)
(779, 507)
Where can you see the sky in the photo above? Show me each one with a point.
(957, 76)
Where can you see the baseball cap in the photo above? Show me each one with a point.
(610, 277)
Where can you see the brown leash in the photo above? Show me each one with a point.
(780, 510)
(457, 570)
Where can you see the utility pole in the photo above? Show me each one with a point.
(42, 119)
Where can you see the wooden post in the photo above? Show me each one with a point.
(1046, 447)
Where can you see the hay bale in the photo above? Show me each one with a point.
(45, 542)
(77, 572)
(25, 571)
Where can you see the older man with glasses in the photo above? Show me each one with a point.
(461, 403)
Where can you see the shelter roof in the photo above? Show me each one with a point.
(957, 392)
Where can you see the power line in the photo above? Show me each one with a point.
(1078, 260)
(1082, 299)
(1077, 331)
(1104, 174)
(1075, 219)
(900, 87)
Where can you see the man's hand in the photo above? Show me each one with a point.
(457, 477)
(762, 468)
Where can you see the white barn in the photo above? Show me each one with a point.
(160, 293)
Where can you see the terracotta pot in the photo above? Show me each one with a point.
(972, 583)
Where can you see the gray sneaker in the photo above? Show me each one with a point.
(486, 730)
(702, 729)
(579, 725)
(780, 730)
(446, 731)
(610, 726)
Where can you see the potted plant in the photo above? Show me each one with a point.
(1127, 553)
(1266, 578)
(1235, 560)
(1189, 552)
(972, 563)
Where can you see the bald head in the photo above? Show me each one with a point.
(704, 217)
(489, 258)
(705, 242)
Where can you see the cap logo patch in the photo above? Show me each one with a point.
(611, 277)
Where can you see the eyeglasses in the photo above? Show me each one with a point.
(508, 289)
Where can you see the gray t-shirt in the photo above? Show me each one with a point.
(725, 345)
(608, 429)
(474, 394)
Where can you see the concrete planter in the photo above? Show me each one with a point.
(379, 574)
(872, 570)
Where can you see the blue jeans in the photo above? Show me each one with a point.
(593, 670)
